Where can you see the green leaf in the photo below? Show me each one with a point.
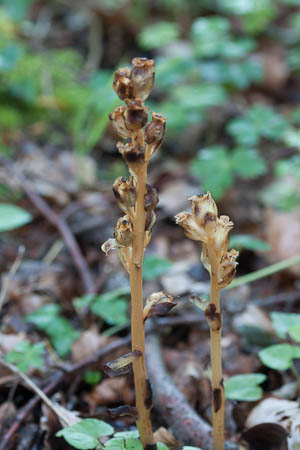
(282, 322)
(12, 217)
(133, 444)
(189, 447)
(154, 266)
(240, 241)
(294, 332)
(158, 35)
(248, 163)
(213, 168)
(84, 435)
(43, 316)
(198, 97)
(281, 194)
(92, 376)
(113, 311)
(161, 446)
(127, 434)
(244, 387)
(280, 356)
(58, 328)
(208, 35)
(24, 355)
(115, 444)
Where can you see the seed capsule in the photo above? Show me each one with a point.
(118, 122)
(154, 131)
(142, 77)
(205, 211)
(124, 190)
(133, 155)
(136, 115)
(227, 268)
(151, 198)
(122, 84)
(123, 232)
(191, 227)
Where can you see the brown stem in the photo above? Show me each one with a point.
(137, 328)
(215, 323)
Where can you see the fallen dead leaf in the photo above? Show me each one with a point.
(109, 392)
(88, 343)
(282, 412)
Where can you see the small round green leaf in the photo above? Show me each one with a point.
(12, 217)
(85, 434)
(280, 356)
(244, 387)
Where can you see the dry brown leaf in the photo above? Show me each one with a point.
(164, 436)
(282, 412)
(109, 392)
(88, 343)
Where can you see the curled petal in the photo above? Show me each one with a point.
(107, 246)
(227, 268)
(158, 304)
(123, 232)
(142, 77)
(191, 227)
(118, 122)
(122, 83)
(223, 227)
(205, 211)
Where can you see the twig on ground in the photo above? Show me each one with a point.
(61, 226)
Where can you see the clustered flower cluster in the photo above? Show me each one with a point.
(142, 140)
(203, 224)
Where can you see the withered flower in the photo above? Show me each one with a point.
(227, 268)
(191, 227)
(205, 211)
(136, 115)
(122, 84)
(224, 225)
(151, 198)
(158, 304)
(150, 220)
(134, 155)
(109, 245)
(123, 232)
(118, 122)
(124, 190)
(142, 77)
(154, 131)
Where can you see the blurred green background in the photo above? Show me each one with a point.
(227, 80)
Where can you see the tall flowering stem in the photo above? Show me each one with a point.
(203, 224)
(137, 200)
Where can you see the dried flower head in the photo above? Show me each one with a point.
(124, 190)
(109, 245)
(142, 77)
(155, 131)
(136, 115)
(134, 155)
(227, 268)
(118, 122)
(158, 304)
(191, 227)
(151, 198)
(205, 211)
(122, 84)
(123, 231)
(223, 227)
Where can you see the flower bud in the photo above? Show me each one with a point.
(124, 190)
(227, 268)
(142, 77)
(154, 131)
(118, 122)
(133, 155)
(205, 211)
(136, 115)
(123, 232)
(151, 198)
(191, 227)
(158, 304)
(122, 84)
(224, 225)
